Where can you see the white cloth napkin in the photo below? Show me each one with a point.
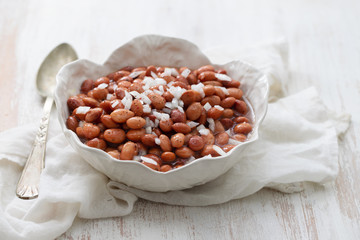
(298, 142)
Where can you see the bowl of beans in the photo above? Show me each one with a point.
(158, 115)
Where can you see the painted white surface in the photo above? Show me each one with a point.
(324, 41)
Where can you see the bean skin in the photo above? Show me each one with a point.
(228, 102)
(74, 102)
(177, 140)
(157, 101)
(240, 106)
(207, 76)
(135, 134)
(168, 156)
(235, 92)
(97, 143)
(227, 148)
(184, 152)
(165, 143)
(181, 128)
(166, 125)
(87, 85)
(137, 108)
(243, 128)
(240, 137)
(212, 100)
(90, 130)
(188, 97)
(135, 122)
(149, 140)
(214, 113)
(165, 168)
(193, 112)
(108, 122)
(72, 123)
(114, 135)
(93, 115)
(128, 151)
(222, 138)
(196, 143)
(114, 154)
(121, 115)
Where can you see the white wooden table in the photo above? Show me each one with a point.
(324, 40)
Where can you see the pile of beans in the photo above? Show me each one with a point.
(160, 116)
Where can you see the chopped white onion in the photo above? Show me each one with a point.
(81, 123)
(135, 74)
(137, 158)
(103, 86)
(204, 131)
(146, 108)
(181, 103)
(109, 96)
(219, 107)
(180, 109)
(174, 72)
(158, 92)
(148, 130)
(233, 141)
(219, 150)
(161, 89)
(114, 104)
(224, 90)
(167, 110)
(148, 160)
(211, 124)
(168, 105)
(153, 74)
(223, 77)
(192, 124)
(207, 106)
(186, 73)
(157, 141)
(135, 94)
(200, 127)
(167, 72)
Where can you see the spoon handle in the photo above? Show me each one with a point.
(28, 184)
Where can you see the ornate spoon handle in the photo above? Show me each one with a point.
(28, 184)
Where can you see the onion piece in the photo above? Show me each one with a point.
(223, 77)
(219, 150)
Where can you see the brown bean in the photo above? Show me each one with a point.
(205, 68)
(213, 83)
(102, 127)
(99, 93)
(80, 116)
(150, 69)
(128, 151)
(108, 122)
(127, 79)
(177, 116)
(220, 93)
(184, 152)
(149, 140)
(243, 128)
(157, 101)
(207, 76)
(114, 135)
(87, 85)
(121, 115)
(108, 149)
(114, 154)
(166, 125)
(124, 84)
(226, 122)
(80, 132)
(219, 128)
(168, 156)
(228, 102)
(188, 97)
(208, 149)
(240, 106)
(168, 96)
(101, 81)
(196, 143)
(155, 150)
(116, 104)
(106, 105)
(182, 79)
(135, 134)
(119, 74)
(193, 112)
(72, 123)
(154, 157)
(120, 93)
(137, 87)
(227, 148)
(209, 139)
(198, 96)
(180, 84)
(74, 102)
(91, 102)
(165, 168)
(137, 107)
(165, 143)
(209, 90)
(212, 100)
(93, 114)
(231, 84)
(181, 128)
(169, 79)
(135, 122)
(228, 113)
(203, 117)
(192, 79)
(222, 138)
(240, 137)
(151, 165)
(241, 119)
(91, 130)
(177, 140)
(96, 143)
(235, 92)
(214, 113)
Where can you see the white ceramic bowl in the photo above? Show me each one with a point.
(158, 50)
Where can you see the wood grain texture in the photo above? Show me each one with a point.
(324, 42)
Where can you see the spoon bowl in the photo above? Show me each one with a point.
(46, 80)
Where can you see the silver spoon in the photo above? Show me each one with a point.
(28, 184)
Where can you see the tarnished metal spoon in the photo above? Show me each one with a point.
(28, 185)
